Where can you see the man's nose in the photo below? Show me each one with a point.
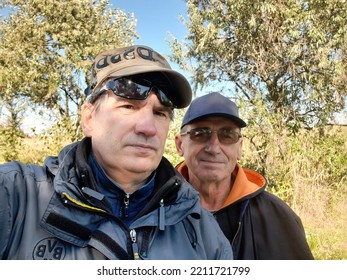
(146, 123)
(213, 144)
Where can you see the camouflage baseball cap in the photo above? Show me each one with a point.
(135, 60)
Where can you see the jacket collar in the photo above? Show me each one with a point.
(74, 177)
(247, 183)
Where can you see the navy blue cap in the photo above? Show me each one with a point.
(212, 104)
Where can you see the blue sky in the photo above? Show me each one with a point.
(155, 19)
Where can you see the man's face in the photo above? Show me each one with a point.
(128, 136)
(209, 161)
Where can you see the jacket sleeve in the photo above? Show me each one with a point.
(18, 200)
(11, 200)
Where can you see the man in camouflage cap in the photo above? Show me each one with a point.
(112, 195)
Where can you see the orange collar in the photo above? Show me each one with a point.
(246, 182)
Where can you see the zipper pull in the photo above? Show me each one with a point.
(161, 215)
(134, 245)
(126, 204)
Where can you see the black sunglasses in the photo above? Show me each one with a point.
(203, 134)
(129, 88)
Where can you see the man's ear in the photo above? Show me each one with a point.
(239, 150)
(86, 118)
(178, 142)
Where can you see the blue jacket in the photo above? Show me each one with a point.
(56, 212)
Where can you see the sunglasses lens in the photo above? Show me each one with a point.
(163, 98)
(127, 88)
(200, 135)
(225, 136)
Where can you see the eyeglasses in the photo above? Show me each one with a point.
(126, 87)
(203, 134)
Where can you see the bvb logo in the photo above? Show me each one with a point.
(49, 249)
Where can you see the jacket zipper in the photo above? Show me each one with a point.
(161, 215)
(243, 211)
(134, 245)
(237, 232)
(126, 204)
(69, 200)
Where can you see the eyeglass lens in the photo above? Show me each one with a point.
(225, 135)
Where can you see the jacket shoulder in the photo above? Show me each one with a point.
(269, 200)
(14, 169)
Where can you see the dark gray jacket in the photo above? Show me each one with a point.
(56, 212)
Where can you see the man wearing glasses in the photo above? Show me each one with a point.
(258, 224)
(112, 195)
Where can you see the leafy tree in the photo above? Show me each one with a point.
(170, 149)
(11, 134)
(288, 55)
(285, 63)
(46, 49)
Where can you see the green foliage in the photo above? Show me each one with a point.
(10, 143)
(308, 171)
(36, 148)
(289, 54)
(170, 149)
(47, 47)
(10, 133)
